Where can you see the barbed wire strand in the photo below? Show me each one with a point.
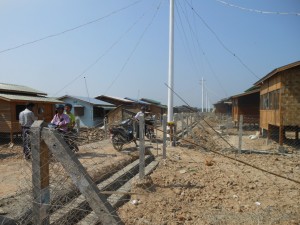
(234, 148)
(258, 11)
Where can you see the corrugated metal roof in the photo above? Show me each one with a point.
(19, 89)
(114, 98)
(92, 101)
(246, 93)
(138, 101)
(9, 97)
(275, 71)
(151, 101)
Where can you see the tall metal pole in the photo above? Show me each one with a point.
(171, 62)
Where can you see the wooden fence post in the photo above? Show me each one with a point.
(40, 176)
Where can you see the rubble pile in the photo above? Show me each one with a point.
(89, 135)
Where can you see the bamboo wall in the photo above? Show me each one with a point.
(290, 97)
(288, 114)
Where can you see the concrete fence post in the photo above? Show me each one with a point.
(40, 176)
(175, 129)
(182, 127)
(142, 146)
(164, 136)
(227, 125)
(187, 125)
(240, 134)
(81, 179)
(105, 127)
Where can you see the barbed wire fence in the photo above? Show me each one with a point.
(206, 178)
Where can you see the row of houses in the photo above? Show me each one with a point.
(90, 112)
(273, 102)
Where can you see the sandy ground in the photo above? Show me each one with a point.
(192, 186)
(197, 186)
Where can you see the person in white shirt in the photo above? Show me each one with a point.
(140, 113)
(26, 119)
(136, 117)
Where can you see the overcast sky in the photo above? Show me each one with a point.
(120, 47)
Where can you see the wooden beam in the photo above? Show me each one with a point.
(97, 201)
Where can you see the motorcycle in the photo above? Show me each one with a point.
(149, 128)
(69, 137)
(122, 134)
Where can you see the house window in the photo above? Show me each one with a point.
(270, 100)
(78, 110)
(98, 112)
(264, 101)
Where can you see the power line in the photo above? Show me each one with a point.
(258, 11)
(221, 42)
(194, 34)
(186, 39)
(134, 49)
(102, 55)
(70, 29)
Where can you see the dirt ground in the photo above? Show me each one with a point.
(196, 184)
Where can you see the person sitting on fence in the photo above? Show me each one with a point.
(26, 119)
(60, 119)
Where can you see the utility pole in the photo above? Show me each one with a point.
(171, 63)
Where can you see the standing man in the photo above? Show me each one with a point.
(136, 117)
(26, 119)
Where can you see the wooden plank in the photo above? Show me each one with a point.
(80, 177)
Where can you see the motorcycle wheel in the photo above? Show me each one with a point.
(117, 142)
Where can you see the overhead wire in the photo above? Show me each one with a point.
(134, 48)
(70, 29)
(221, 42)
(103, 54)
(88, 95)
(194, 34)
(185, 40)
(257, 10)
